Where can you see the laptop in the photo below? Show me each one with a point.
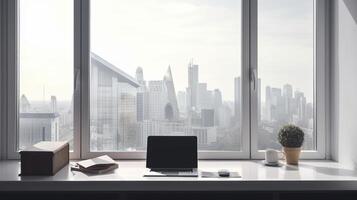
(171, 156)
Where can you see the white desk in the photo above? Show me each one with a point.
(308, 176)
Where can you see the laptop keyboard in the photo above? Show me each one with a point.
(176, 172)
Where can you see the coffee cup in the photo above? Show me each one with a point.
(272, 156)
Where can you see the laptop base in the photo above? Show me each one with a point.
(171, 173)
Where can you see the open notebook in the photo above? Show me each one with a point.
(98, 165)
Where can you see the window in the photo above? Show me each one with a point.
(169, 68)
(105, 74)
(45, 57)
(285, 69)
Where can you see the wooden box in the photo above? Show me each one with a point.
(44, 158)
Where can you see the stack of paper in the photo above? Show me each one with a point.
(98, 165)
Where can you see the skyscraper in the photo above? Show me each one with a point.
(54, 104)
(192, 85)
(162, 98)
(217, 99)
(268, 103)
(36, 127)
(204, 97)
(181, 101)
(156, 99)
(113, 106)
(288, 100)
(288, 91)
(171, 104)
(276, 105)
(301, 105)
(24, 104)
(207, 117)
(142, 96)
(139, 75)
(237, 97)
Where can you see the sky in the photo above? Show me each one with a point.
(154, 34)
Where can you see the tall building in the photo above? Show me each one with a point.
(288, 91)
(54, 108)
(36, 127)
(181, 101)
(225, 115)
(300, 100)
(267, 104)
(217, 99)
(162, 99)
(171, 106)
(288, 100)
(25, 105)
(207, 117)
(142, 96)
(113, 107)
(274, 104)
(192, 85)
(277, 108)
(205, 136)
(204, 97)
(156, 99)
(142, 99)
(139, 75)
(162, 127)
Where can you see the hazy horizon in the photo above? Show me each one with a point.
(154, 34)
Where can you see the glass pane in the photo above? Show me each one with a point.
(45, 71)
(165, 67)
(286, 69)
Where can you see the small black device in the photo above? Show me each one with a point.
(223, 173)
(172, 156)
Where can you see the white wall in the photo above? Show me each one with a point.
(344, 81)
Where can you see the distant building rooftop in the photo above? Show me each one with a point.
(124, 77)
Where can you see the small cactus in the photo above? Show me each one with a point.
(291, 136)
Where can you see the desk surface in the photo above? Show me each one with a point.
(309, 175)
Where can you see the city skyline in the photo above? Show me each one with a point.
(125, 110)
(48, 96)
(189, 53)
(165, 36)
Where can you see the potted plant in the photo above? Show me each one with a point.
(291, 138)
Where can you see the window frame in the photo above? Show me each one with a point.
(321, 86)
(81, 70)
(12, 89)
(86, 153)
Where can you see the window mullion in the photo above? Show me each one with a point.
(245, 81)
(11, 87)
(81, 70)
(253, 78)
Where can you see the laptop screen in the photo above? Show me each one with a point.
(171, 152)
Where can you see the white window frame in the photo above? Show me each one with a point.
(86, 153)
(81, 148)
(321, 83)
(12, 87)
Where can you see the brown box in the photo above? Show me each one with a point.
(44, 158)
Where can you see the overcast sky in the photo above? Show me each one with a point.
(154, 34)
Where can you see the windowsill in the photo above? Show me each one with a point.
(309, 175)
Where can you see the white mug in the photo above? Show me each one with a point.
(272, 156)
